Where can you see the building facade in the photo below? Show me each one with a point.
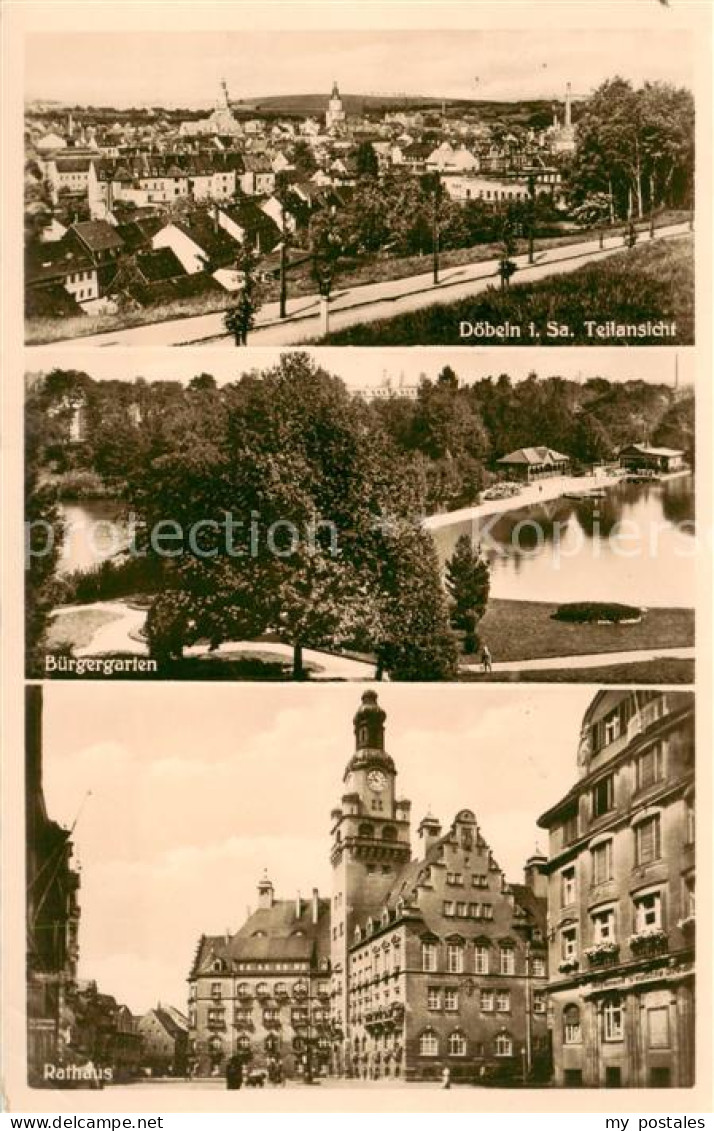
(621, 897)
(263, 994)
(413, 966)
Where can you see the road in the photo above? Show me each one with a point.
(591, 660)
(367, 302)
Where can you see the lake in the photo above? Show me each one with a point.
(567, 550)
(93, 531)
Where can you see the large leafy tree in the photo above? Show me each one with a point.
(313, 486)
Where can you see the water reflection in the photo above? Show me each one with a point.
(627, 546)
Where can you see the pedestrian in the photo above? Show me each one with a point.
(234, 1073)
(486, 665)
(446, 1078)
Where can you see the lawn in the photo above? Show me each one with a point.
(78, 628)
(661, 671)
(524, 630)
(650, 282)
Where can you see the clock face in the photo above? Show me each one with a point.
(376, 780)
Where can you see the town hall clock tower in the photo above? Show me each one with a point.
(370, 842)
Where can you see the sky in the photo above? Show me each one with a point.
(195, 790)
(364, 367)
(184, 69)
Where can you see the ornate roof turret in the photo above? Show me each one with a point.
(369, 734)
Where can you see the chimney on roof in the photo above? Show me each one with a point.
(266, 893)
(315, 905)
(429, 831)
(535, 875)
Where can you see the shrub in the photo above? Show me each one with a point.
(590, 612)
(112, 579)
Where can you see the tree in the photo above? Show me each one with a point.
(366, 160)
(239, 319)
(467, 580)
(416, 642)
(290, 448)
(43, 541)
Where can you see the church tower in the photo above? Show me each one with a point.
(370, 841)
(335, 116)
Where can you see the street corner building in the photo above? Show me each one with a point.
(621, 897)
(412, 967)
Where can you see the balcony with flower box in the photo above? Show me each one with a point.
(650, 943)
(603, 954)
(568, 966)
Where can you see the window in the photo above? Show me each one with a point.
(604, 925)
(271, 1015)
(241, 1015)
(690, 816)
(455, 958)
(486, 911)
(215, 989)
(647, 840)
(451, 1000)
(648, 912)
(572, 1032)
(504, 1045)
(612, 727)
(474, 911)
(456, 879)
(570, 828)
(539, 1002)
(612, 1020)
(650, 766)
(567, 886)
(569, 941)
(487, 1001)
(429, 1043)
(601, 858)
(689, 897)
(428, 956)
(481, 959)
(508, 960)
(658, 1027)
(602, 796)
(462, 910)
(479, 881)
(433, 998)
(449, 907)
(538, 967)
(457, 1044)
(503, 1001)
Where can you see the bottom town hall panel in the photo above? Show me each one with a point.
(230, 886)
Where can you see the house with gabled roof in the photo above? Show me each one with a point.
(534, 463)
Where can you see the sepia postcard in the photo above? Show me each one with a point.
(351, 650)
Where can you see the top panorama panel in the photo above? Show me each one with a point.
(199, 195)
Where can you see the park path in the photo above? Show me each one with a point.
(120, 636)
(592, 660)
(368, 301)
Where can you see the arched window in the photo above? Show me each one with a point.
(280, 989)
(457, 1044)
(572, 1032)
(262, 989)
(428, 1043)
(388, 833)
(243, 990)
(504, 1044)
(272, 1043)
(243, 1042)
(365, 829)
